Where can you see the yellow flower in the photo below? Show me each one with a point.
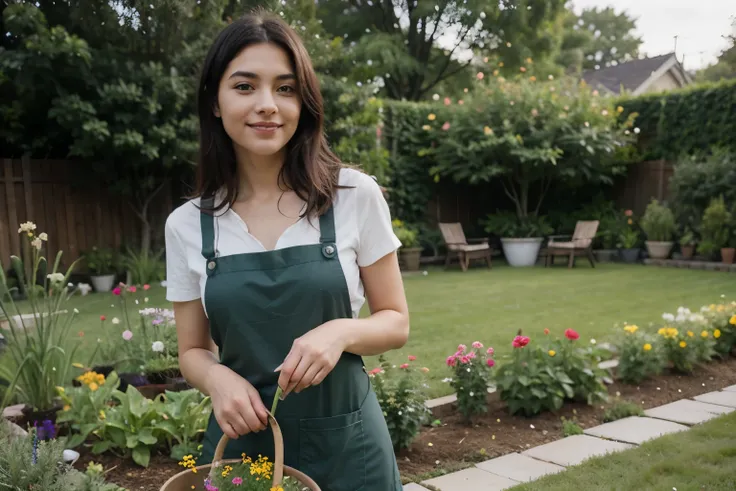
(77, 365)
(93, 386)
(551, 352)
(647, 347)
(60, 390)
(67, 407)
(495, 73)
(683, 344)
(690, 334)
(533, 78)
(732, 321)
(631, 329)
(102, 414)
(528, 60)
(488, 131)
(720, 308)
(426, 127)
(704, 334)
(431, 117)
(619, 109)
(717, 333)
(630, 221)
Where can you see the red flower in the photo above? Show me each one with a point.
(571, 334)
(102, 318)
(465, 359)
(451, 360)
(520, 341)
(490, 362)
(546, 331)
(117, 291)
(132, 289)
(405, 365)
(412, 357)
(146, 286)
(375, 371)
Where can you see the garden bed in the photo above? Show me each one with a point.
(456, 445)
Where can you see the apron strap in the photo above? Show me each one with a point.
(207, 224)
(327, 227)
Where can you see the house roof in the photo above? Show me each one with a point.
(633, 74)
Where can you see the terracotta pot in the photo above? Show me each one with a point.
(687, 251)
(188, 480)
(727, 254)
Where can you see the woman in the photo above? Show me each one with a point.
(273, 260)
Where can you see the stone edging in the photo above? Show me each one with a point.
(691, 264)
(515, 468)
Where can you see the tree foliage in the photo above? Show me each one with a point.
(612, 37)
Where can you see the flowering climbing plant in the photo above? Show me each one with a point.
(472, 370)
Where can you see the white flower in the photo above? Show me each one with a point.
(637, 130)
(157, 346)
(667, 317)
(115, 321)
(84, 288)
(37, 243)
(592, 341)
(55, 277)
(145, 300)
(26, 227)
(76, 311)
(447, 379)
(399, 413)
(471, 394)
(43, 236)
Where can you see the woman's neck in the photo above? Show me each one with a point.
(259, 175)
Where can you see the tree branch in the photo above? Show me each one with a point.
(545, 188)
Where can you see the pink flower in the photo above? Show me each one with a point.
(477, 344)
(412, 357)
(479, 76)
(375, 371)
(490, 362)
(571, 334)
(461, 102)
(465, 359)
(117, 291)
(446, 126)
(102, 318)
(127, 335)
(132, 289)
(461, 348)
(237, 481)
(447, 101)
(520, 341)
(146, 287)
(471, 355)
(451, 360)
(628, 213)
(490, 351)
(405, 365)
(546, 331)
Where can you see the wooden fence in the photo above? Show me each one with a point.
(644, 181)
(75, 218)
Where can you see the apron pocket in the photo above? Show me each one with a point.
(332, 451)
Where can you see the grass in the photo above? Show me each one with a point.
(448, 308)
(702, 458)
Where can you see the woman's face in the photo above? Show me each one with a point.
(258, 100)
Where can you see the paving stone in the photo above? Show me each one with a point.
(687, 412)
(634, 430)
(14, 411)
(730, 389)
(441, 401)
(519, 467)
(574, 449)
(412, 486)
(726, 398)
(472, 478)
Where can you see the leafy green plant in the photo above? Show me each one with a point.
(184, 419)
(620, 410)
(402, 399)
(679, 350)
(408, 236)
(40, 350)
(688, 237)
(508, 225)
(144, 266)
(640, 356)
(570, 428)
(472, 373)
(101, 260)
(658, 222)
(715, 227)
(576, 363)
(721, 322)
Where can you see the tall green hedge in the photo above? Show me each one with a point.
(684, 121)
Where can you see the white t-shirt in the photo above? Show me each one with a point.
(362, 227)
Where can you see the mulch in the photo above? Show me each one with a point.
(455, 444)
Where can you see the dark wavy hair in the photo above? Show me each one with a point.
(310, 169)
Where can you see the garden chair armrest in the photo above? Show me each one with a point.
(478, 241)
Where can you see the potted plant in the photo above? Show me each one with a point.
(410, 251)
(102, 267)
(687, 243)
(714, 229)
(659, 225)
(608, 233)
(521, 238)
(629, 239)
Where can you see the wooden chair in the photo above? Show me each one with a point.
(581, 244)
(458, 245)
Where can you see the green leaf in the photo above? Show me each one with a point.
(146, 436)
(524, 380)
(142, 455)
(102, 446)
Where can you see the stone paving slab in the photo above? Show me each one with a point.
(471, 479)
(726, 398)
(519, 467)
(412, 486)
(730, 389)
(575, 449)
(687, 412)
(634, 429)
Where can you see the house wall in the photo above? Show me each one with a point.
(665, 82)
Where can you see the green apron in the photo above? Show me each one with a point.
(258, 304)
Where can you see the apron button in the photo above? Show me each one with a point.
(211, 265)
(328, 250)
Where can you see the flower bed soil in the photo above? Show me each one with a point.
(455, 445)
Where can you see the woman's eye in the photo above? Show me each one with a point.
(287, 88)
(243, 86)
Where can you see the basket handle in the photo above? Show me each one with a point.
(278, 444)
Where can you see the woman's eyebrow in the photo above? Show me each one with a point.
(241, 73)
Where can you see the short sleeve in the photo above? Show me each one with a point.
(375, 233)
(182, 284)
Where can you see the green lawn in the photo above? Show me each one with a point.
(448, 308)
(702, 458)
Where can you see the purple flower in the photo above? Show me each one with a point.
(156, 322)
(47, 431)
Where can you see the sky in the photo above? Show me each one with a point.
(699, 25)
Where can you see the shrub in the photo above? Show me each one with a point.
(640, 356)
(658, 222)
(696, 332)
(472, 370)
(679, 349)
(408, 236)
(402, 400)
(721, 321)
(714, 229)
(578, 365)
(620, 410)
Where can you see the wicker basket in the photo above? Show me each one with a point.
(189, 480)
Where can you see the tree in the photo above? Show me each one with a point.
(613, 38)
(413, 46)
(725, 66)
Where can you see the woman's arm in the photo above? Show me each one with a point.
(196, 356)
(315, 354)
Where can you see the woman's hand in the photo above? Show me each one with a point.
(237, 405)
(312, 358)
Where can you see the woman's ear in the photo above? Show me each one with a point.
(216, 110)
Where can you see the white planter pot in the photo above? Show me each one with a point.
(103, 283)
(659, 250)
(521, 252)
